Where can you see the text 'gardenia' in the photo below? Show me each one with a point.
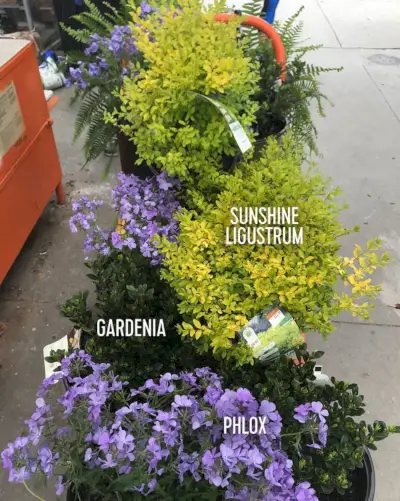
(138, 327)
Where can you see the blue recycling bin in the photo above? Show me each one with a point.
(270, 7)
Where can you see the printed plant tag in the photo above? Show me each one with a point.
(236, 127)
(61, 344)
(271, 333)
(12, 124)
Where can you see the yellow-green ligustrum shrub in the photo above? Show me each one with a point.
(222, 286)
(187, 55)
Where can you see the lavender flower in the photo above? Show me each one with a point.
(168, 427)
(146, 208)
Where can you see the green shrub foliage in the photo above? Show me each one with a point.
(127, 287)
(187, 55)
(221, 287)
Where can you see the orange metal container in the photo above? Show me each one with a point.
(29, 166)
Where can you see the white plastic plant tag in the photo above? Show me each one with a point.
(75, 341)
(61, 344)
(271, 333)
(236, 127)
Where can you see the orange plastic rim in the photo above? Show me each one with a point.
(267, 29)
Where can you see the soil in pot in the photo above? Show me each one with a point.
(363, 484)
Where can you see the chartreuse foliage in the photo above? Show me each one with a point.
(220, 287)
(187, 54)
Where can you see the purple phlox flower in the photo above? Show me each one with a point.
(323, 433)
(146, 8)
(227, 404)
(103, 440)
(97, 398)
(254, 458)
(198, 419)
(19, 475)
(94, 70)
(182, 401)
(318, 409)
(150, 486)
(189, 378)
(189, 463)
(76, 73)
(157, 453)
(88, 455)
(302, 413)
(276, 473)
(109, 462)
(35, 433)
(123, 440)
(304, 492)
(116, 240)
(59, 486)
(209, 457)
(212, 395)
(102, 63)
(46, 459)
(229, 456)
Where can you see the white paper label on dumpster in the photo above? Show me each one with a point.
(61, 344)
(11, 122)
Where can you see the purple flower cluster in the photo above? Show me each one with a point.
(314, 414)
(166, 429)
(110, 55)
(146, 208)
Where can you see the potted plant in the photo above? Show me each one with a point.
(172, 436)
(289, 103)
(97, 74)
(222, 282)
(194, 72)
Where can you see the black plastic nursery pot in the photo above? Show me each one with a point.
(363, 484)
(279, 128)
(129, 157)
(364, 480)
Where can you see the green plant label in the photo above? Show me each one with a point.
(236, 127)
(272, 333)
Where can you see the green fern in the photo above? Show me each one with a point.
(94, 100)
(301, 91)
(253, 8)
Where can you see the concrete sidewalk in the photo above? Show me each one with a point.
(360, 144)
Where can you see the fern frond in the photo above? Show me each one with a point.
(117, 17)
(90, 102)
(253, 8)
(81, 35)
(98, 134)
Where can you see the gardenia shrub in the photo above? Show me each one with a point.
(221, 287)
(126, 286)
(165, 441)
(146, 208)
(186, 56)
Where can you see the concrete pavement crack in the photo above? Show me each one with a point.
(330, 24)
(366, 324)
(382, 94)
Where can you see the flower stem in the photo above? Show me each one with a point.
(32, 493)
